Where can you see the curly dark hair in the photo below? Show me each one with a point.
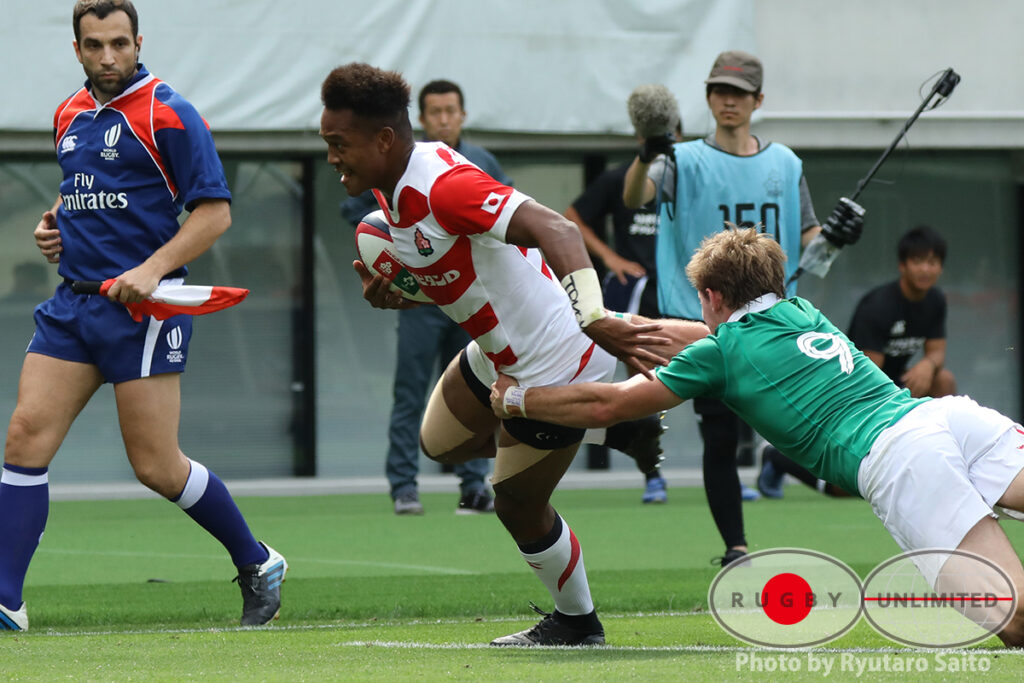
(369, 92)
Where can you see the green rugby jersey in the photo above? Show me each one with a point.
(797, 380)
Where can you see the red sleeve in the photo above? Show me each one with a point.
(467, 201)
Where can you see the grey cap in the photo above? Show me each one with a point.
(738, 69)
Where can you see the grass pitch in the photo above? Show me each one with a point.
(125, 590)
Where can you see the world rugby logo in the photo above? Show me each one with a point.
(110, 139)
(174, 338)
(174, 341)
(112, 135)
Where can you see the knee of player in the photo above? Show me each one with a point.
(156, 478)
(22, 431)
(432, 451)
(427, 451)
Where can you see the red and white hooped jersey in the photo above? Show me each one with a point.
(449, 227)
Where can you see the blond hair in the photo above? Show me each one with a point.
(742, 264)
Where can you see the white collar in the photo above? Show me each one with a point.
(761, 303)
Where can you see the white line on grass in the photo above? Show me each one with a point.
(369, 623)
(298, 628)
(296, 560)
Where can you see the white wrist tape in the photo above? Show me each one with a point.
(515, 396)
(584, 292)
(618, 314)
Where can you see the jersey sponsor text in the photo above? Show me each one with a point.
(92, 201)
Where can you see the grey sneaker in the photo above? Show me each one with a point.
(476, 503)
(261, 588)
(13, 620)
(408, 504)
(552, 631)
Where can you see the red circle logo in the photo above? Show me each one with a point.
(787, 599)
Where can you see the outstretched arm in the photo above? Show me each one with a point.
(594, 404)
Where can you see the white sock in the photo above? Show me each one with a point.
(195, 486)
(560, 568)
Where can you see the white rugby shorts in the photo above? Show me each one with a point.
(555, 371)
(938, 471)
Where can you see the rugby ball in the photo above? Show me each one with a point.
(377, 252)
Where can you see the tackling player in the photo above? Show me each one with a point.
(467, 239)
(133, 153)
(931, 469)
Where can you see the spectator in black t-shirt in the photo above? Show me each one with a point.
(896, 321)
(891, 325)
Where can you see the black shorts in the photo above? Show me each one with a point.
(541, 435)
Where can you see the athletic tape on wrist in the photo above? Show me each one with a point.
(584, 290)
(618, 314)
(515, 396)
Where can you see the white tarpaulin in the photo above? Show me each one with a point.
(564, 66)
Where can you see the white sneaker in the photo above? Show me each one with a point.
(408, 504)
(13, 621)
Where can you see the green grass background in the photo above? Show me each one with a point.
(125, 590)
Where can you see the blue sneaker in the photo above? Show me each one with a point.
(748, 494)
(769, 482)
(13, 621)
(656, 491)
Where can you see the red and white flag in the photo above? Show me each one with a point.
(176, 299)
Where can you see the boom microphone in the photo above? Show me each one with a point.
(653, 111)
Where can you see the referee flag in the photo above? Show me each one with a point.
(172, 299)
